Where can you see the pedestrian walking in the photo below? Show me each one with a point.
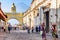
(4, 29)
(9, 27)
(39, 28)
(32, 29)
(15, 28)
(54, 32)
(36, 29)
(44, 31)
(28, 30)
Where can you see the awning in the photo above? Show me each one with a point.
(2, 15)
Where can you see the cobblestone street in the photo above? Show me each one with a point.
(21, 35)
(29, 19)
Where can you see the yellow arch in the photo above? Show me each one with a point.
(18, 16)
(14, 18)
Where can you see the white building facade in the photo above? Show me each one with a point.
(47, 11)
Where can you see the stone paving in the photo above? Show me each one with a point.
(22, 35)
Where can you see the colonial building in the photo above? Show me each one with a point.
(43, 11)
(2, 17)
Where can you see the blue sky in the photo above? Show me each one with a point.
(21, 5)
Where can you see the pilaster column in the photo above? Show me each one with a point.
(41, 15)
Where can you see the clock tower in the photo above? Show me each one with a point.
(13, 8)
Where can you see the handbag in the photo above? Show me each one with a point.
(41, 32)
(56, 36)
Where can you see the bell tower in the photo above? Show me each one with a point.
(13, 8)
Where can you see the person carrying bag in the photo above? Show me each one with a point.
(43, 32)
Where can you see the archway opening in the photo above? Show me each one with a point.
(13, 22)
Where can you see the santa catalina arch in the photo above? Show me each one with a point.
(14, 15)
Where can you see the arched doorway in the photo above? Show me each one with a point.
(13, 22)
(46, 19)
